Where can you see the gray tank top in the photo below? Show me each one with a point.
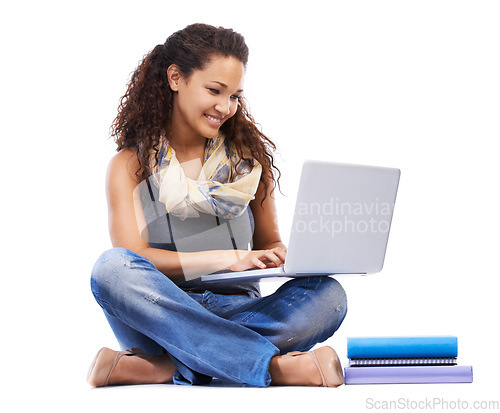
(207, 232)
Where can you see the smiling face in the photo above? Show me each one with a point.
(206, 99)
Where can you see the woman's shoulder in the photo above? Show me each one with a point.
(125, 164)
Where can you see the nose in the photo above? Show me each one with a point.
(223, 106)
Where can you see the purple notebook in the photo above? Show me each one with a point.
(414, 374)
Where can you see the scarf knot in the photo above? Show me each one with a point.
(224, 188)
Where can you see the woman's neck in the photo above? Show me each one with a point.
(184, 142)
(187, 145)
(190, 152)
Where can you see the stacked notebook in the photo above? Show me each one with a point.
(428, 359)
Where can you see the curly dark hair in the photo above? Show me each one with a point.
(145, 109)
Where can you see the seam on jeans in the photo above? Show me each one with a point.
(95, 293)
(257, 306)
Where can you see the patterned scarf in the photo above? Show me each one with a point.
(221, 189)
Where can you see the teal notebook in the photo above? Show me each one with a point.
(401, 347)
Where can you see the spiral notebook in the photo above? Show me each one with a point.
(413, 361)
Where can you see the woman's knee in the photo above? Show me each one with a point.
(329, 303)
(326, 291)
(317, 307)
(109, 267)
(336, 294)
(108, 261)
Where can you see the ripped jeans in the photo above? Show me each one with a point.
(228, 337)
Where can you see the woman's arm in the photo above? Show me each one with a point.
(127, 222)
(266, 233)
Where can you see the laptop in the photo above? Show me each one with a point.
(341, 222)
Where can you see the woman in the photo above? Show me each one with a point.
(190, 192)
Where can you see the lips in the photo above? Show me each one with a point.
(213, 120)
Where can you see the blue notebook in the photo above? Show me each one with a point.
(401, 347)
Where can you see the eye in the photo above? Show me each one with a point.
(236, 97)
(214, 91)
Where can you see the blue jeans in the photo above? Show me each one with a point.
(229, 337)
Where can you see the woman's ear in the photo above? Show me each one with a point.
(174, 76)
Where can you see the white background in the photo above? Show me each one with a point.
(408, 84)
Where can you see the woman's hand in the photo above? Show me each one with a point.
(269, 258)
